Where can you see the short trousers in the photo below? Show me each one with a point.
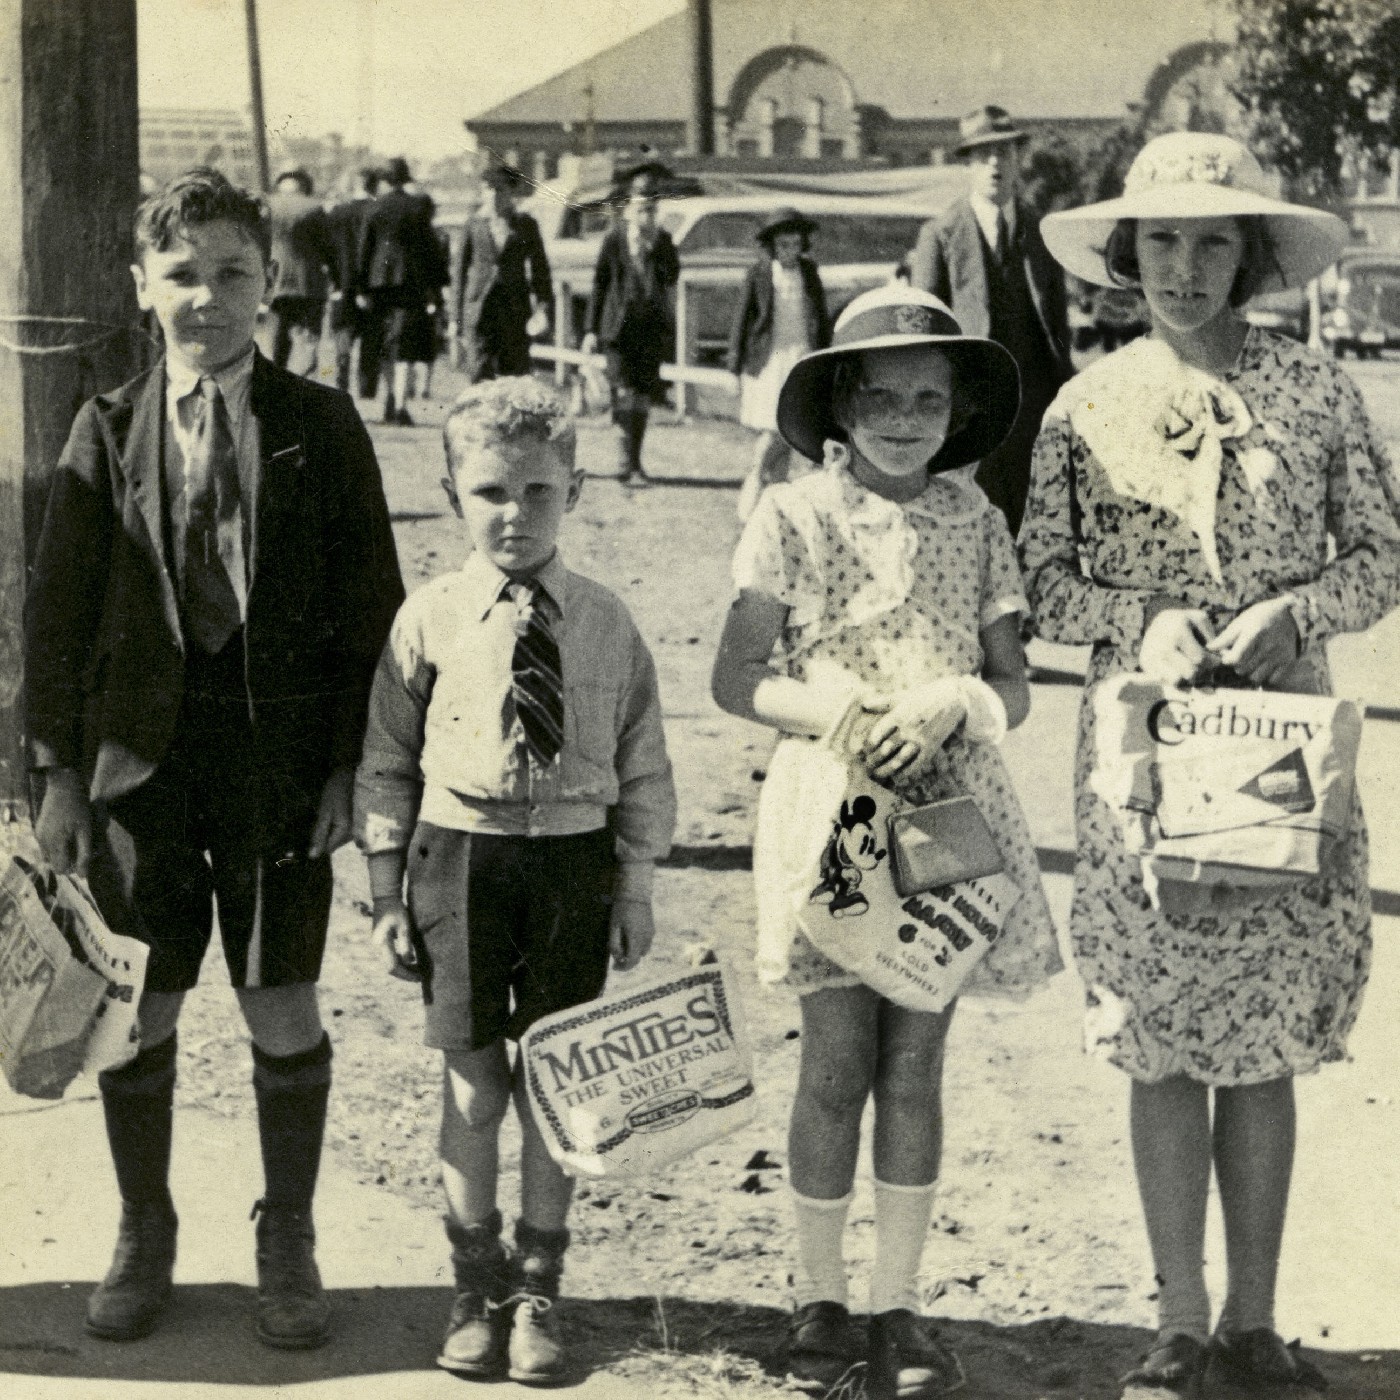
(191, 837)
(507, 929)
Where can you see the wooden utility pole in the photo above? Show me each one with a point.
(255, 94)
(702, 79)
(69, 164)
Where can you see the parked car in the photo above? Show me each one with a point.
(1284, 311)
(858, 245)
(1106, 316)
(1363, 314)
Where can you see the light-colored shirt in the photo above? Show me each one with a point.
(444, 743)
(986, 212)
(235, 383)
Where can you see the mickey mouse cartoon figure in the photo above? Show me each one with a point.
(850, 851)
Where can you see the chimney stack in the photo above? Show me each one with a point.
(702, 81)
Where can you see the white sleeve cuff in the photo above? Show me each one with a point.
(986, 715)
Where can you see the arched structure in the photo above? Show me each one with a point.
(791, 101)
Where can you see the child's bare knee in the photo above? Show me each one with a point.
(838, 1086)
(476, 1088)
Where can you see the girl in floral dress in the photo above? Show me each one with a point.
(1184, 493)
(887, 574)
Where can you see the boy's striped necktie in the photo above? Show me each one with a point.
(537, 684)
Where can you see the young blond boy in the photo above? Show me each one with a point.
(513, 796)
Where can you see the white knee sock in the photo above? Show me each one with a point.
(901, 1224)
(820, 1227)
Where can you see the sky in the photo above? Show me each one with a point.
(435, 62)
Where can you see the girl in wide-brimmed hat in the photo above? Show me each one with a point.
(780, 316)
(886, 575)
(1210, 503)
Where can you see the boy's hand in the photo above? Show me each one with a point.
(64, 828)
(333, 819)
(632, 930)
(394, 929)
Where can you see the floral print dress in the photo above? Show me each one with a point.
(1149, 480)
(896, 596)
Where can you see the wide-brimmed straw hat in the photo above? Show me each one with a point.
(1197, 175)
(785, 220)
(899, 316)
(987, 126)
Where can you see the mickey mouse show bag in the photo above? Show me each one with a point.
(1232, 789)
(868, 878)
(625, 1084)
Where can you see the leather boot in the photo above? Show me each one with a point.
(536, 1351)
(475, 1344)
(136, 1104)
(293, 1312)
(128, 1303)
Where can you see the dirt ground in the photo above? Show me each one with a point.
(1037, 1257)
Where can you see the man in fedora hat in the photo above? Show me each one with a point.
(985, 258)
(503, 280)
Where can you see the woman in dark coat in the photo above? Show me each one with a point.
(781, 316)
(630, 318)
(503, 280)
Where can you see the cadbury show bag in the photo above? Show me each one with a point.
(1233, 789)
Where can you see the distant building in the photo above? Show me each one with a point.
(832, 82)
(174, 139)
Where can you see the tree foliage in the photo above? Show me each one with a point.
(1320, 83)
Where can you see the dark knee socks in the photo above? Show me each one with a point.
(137, 1104)
(636, 430)
(291, 1091)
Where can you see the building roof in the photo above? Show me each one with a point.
(915, 58)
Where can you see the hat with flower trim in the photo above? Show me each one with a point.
(1197, 175)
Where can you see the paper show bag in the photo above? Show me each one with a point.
(69, 987)
(1226, 788)
(884, 903)
(625, 1084)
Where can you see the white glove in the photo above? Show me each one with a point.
(986, 715)
(1173, 647)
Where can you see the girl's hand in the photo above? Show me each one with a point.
(1173, 648)
(905, 738)
(394, 929)
(1261, 643)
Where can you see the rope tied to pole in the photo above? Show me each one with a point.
(106, 330)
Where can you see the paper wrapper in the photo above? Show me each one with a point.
(627, 1083)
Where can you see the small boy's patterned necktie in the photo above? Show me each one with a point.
(537, 684)
(212, 609)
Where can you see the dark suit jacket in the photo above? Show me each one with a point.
(751, 336)
(508, 275)
(104, 648)
(345, 225)
(399, 249)
(622, 296)
(301, 247)
(949, 260)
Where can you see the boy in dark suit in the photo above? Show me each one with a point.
(401, 276)
(213, 584)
